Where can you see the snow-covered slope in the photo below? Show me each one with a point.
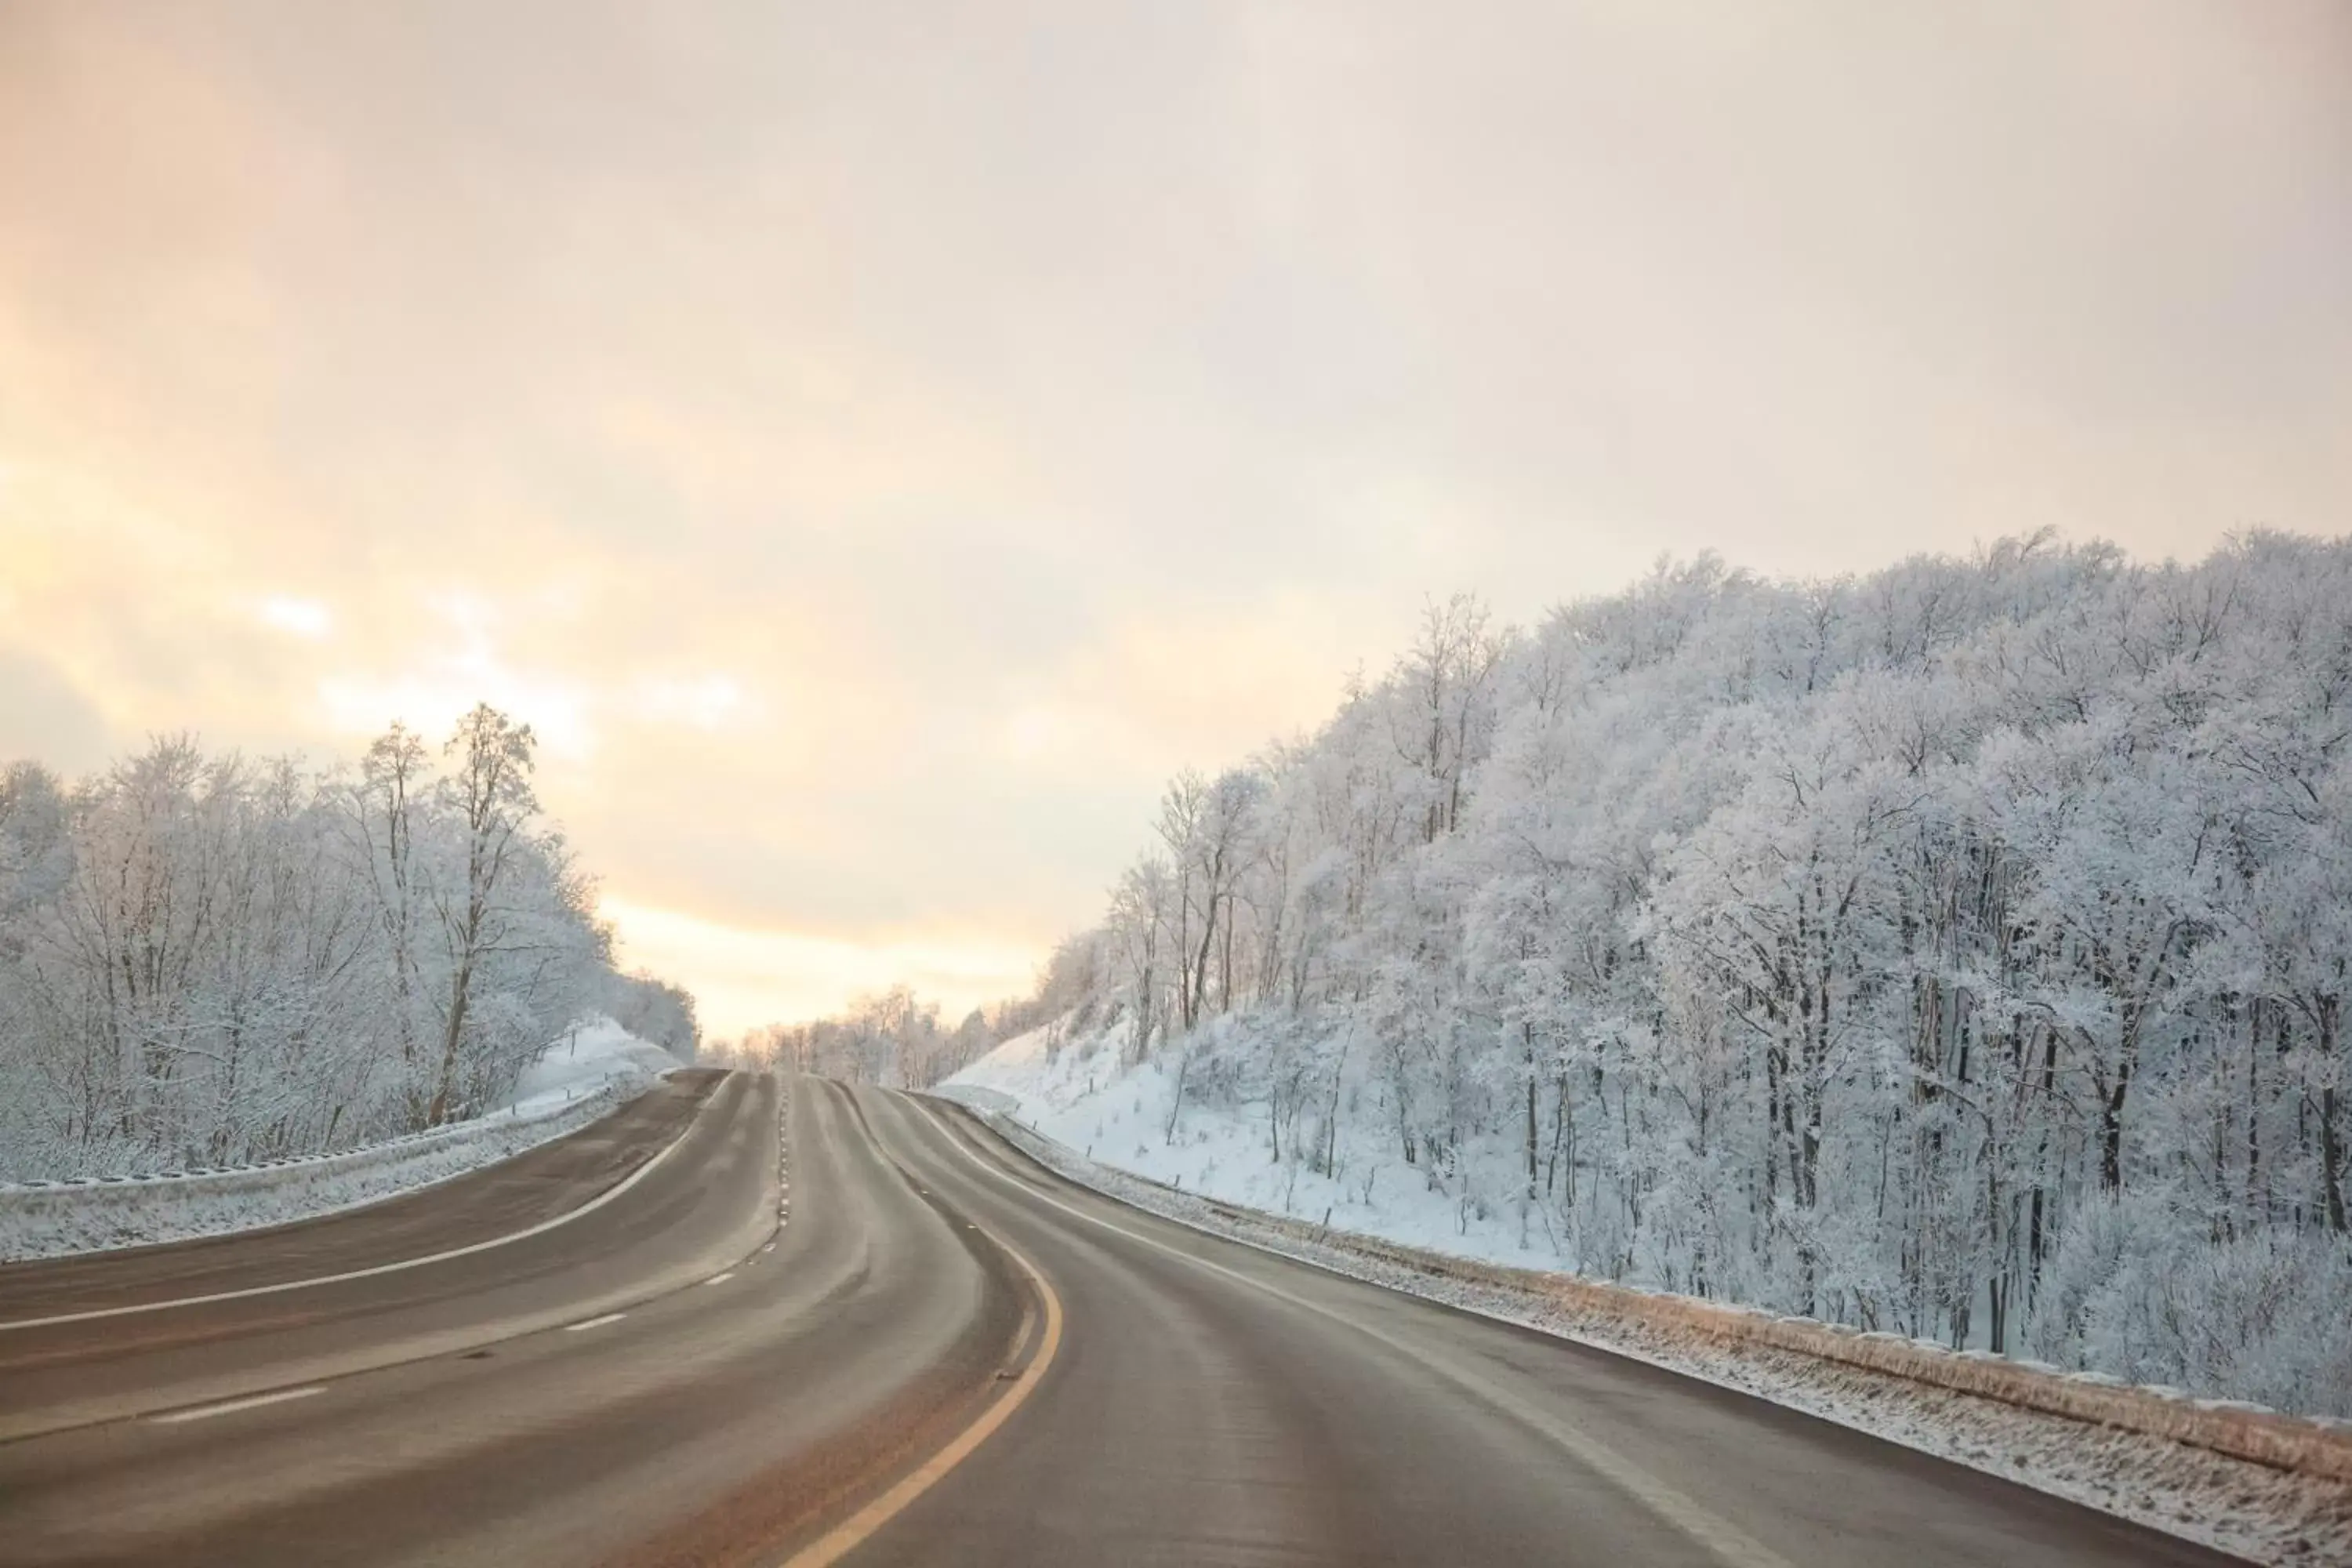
(2228, 1475)
(585, 1059)
(1077, 1093)
(1111, 1120)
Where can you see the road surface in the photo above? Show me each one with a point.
(895, 1342)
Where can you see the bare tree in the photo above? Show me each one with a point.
(491, 796)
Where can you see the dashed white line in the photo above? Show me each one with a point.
(594, 1322)
(174, 1417)
(721, 1279)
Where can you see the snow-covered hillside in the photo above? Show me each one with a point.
(584, 1058)
(1957, 952)
(1077, 1092)
(1076, 1089)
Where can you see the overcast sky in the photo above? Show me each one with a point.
(876, 444)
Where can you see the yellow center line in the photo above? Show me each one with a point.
(1728, 1544)
(852, 1532)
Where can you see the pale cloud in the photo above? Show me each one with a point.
(1204, 683)
(875, 453)
(301, 617)
(441, 680)
(704, 702)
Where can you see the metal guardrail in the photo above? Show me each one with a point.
(39, 1219)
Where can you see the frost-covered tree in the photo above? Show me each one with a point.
(1960, 950)
(207, 960)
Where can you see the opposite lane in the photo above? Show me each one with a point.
(703, 1423)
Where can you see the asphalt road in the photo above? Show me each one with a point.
(898, 1342)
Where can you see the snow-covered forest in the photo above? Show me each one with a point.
(208, 960)
(1959, 951)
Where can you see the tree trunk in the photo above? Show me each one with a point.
(1200, 959)
(2111, 1129)
(1528, 1036)
(445, 1081)
(2331, 1147)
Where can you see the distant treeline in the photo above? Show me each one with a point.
(893, 1037)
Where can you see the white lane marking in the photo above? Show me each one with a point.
(202, 1412)
(591, 1206)
(594, 1322)
(721, 1279)
(1727, 1542)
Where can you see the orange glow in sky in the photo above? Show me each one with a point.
(874, 446)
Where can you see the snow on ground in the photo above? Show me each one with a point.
(1078, 1095)
(1101, 1126)
(585, 1059)
(587, 1074)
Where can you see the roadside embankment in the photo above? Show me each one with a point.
(49, 1219)
(2265, 1485)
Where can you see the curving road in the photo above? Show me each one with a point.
(893, 1341)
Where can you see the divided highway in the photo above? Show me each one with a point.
(665, 1340)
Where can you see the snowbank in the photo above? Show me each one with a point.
(583, 1060)
(565, 1091)
(1078, 1094)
